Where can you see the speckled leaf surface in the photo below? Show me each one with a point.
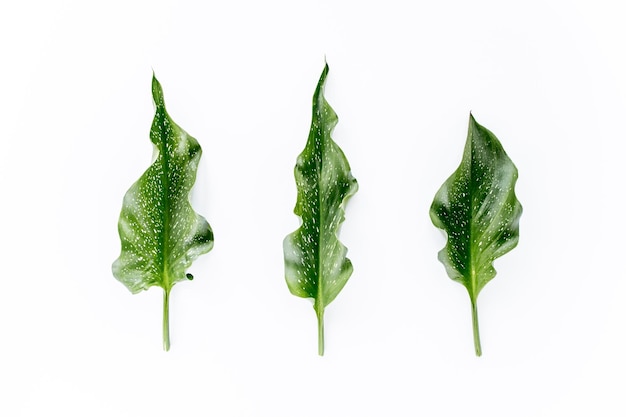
(478, 210)
(315, 260)
(160, 232)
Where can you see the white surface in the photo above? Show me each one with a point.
(548, 78)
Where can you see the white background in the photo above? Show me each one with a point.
(547, 77)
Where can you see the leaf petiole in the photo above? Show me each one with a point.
(475, 327)
(320, 330)
(166, 320)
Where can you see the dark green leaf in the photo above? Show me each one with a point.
(315, 261)
(479, 212)
(161, 234)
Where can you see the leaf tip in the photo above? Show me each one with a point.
(157, 92)
(325, 70)
(318, 96)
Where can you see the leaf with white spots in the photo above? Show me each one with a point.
(479, 212)
(315, 260)
(160, 232)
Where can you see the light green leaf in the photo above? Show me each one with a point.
(479, 212)
(315, 261)
(161, 234)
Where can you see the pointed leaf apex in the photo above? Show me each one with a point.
(157, 92)
(318, 96)
(324, 73)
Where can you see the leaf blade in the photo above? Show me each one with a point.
(160, 233)
(316, 265)
(477, 208)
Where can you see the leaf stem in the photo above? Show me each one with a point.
(320, 330)
(166, 320)
(475, 327)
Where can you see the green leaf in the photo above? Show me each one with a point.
(161, 234)
(315, 261)
(479, 212)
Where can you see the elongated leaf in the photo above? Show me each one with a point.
(479, 212)
(315, 261)
(160, 232)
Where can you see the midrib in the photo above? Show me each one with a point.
(318, 219)
(166, 214)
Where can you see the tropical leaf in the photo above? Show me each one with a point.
(315, 260)
(160, 232)
(479, 212)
